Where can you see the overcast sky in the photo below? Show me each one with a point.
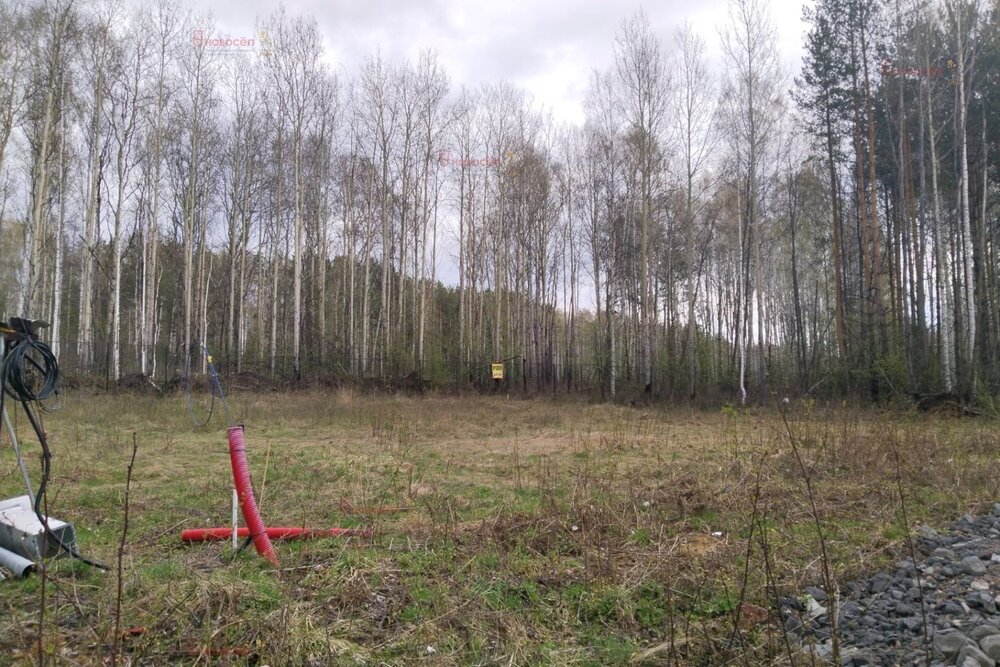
(547, 47)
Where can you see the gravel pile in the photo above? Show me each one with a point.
(880, 619)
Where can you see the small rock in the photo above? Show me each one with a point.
(850, 610)
(817, 593)
(990, 645)
(793, 624)
(949, 608)
(979, 585)
(795, 604)
(971, 651)
(880, 582)
(949, 643)
(814, 609)
(973, 565)
(926, 532)
(980, 632)
(981, 600)
(944, 553)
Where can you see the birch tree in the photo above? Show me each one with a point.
(643, 79)
(753, 107)
(124, 114)
(695, 113)
(54, 26)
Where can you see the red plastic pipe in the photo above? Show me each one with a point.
(244, 491)
(274, 533)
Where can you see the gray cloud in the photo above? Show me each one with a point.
(549, 48)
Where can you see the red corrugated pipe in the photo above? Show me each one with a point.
(273, 532)
(244, 491)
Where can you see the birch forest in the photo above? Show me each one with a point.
(719, 228)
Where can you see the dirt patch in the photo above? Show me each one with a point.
(249, 381)
(139, 384)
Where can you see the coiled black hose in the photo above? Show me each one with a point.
(30, 371)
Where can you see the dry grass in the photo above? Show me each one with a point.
(538, 532)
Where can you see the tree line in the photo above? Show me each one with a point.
(713, 229)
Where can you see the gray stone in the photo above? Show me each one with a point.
(972, 651)
(949, 608)
(981, 631)
(814, 609)
(979, 585)
(850, 610)
(927, 532)
(949, 643)
(981, 600)
(973, 565)
(880, 582)
(824, 650)
(793, 624)
(944, 553)
(792, 603)
(990, 644)
(852, 658)
(817, 593)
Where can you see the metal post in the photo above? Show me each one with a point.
(236, 521)
(17, 453)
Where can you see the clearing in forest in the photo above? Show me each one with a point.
(537, 531)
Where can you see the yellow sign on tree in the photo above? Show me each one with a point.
(497, 371)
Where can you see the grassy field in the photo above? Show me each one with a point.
(537, 532)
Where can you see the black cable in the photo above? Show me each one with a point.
(247, 542)
(187, 389)
(30, 374)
